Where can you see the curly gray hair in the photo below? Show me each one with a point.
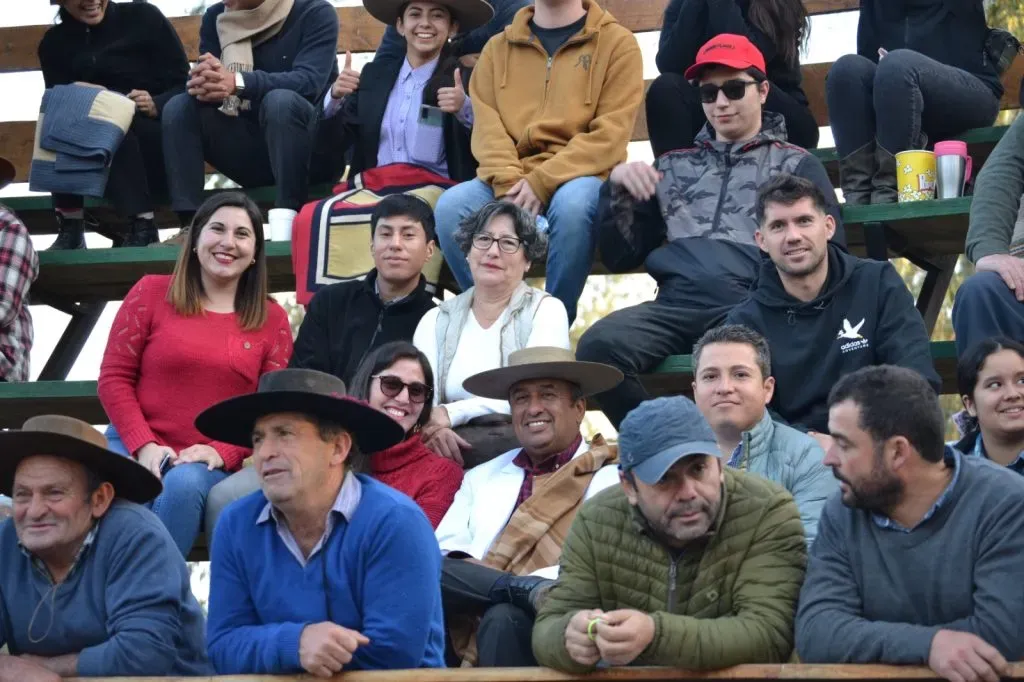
(535, 243)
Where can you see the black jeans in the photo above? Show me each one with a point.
(504, 637)
(985, 307)
(271, 146)
(675, 115)
(904, 101)
(636, 340)
(136, 172)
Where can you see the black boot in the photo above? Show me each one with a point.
(70, 234)
(524, 591)
(855, 172)
(883, 183)
(141, 233)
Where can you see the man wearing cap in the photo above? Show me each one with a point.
(19, 267)
(92, 584)
(503, 534)
(689, 564)
(701, 201)
(323, 569)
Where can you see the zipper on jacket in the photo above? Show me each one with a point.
(725, 188)
(791, 316)
(673, 573)
(547, 76)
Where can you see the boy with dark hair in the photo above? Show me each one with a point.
(824, 312)
(345, 321)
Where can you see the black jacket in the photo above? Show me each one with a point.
(688, 24)
(363, 114)
(864, 316)
(133, 48)
(949, 31)
(345, 321)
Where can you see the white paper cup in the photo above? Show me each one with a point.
(280, 220)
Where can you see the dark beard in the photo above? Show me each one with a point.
(880, 492)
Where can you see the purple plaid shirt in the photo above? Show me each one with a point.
(548, 466)
(19, 267)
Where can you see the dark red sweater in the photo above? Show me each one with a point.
(428, 478)
(160, 370)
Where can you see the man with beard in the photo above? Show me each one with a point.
(689, 564)
(824, 312)
(919, 560)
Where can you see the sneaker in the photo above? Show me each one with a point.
(70, 234)
(141, 233)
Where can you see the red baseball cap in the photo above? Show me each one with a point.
(727, 49)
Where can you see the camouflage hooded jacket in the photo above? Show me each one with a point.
(705, 209)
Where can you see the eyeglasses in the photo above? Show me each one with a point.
(483, 242)
(734, 89)
(392, 386)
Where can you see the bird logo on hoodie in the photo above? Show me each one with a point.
(850, 332)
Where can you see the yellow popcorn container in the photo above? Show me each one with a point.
(915, 175)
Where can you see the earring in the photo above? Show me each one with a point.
(195, 249)
(253, 262)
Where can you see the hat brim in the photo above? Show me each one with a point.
(232, 420)
(470, 14)
(131, 480)
(695, 71)
(653, 469)
(7, 172)
(591, 377)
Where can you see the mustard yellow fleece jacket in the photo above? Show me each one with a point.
(554, 118)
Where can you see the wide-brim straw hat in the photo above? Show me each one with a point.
(543, 362)
(7, 172)
(60, 436)
(305, 391)
(470, 14)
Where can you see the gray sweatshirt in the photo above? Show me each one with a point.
(996, 227)
(876, 595)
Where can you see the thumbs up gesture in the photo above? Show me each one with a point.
(450, 100)
(347, 81)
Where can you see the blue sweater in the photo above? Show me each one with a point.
(379, 574)
(302, 57)
(126, 608)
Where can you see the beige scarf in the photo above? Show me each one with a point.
(239, 32)
(534, 535)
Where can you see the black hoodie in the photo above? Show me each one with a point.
(345, 321)
(864, 316)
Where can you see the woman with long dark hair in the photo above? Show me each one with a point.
(990, 379)
(184, 341)
(414, 110)
(778, 28)
(397, 379)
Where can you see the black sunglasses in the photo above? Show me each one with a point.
(392, 386)
(734, 89)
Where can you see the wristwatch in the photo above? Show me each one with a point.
(239, 83)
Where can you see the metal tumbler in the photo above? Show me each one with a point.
(951, 175)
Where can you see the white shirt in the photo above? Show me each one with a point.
(479, 350)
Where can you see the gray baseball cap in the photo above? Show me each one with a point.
(659, 433)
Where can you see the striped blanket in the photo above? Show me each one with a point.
(331, 237)
(79, 129)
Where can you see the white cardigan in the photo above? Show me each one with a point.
(479, 350)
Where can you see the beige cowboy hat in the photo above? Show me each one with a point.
(73, 439)
(7, 172)
(543, 362)
(469, 13)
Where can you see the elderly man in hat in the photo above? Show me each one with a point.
(689, 564)
(92, 584)
(503, 534)
(323, 568)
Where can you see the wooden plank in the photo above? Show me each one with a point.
(72, 398)
(359, 32)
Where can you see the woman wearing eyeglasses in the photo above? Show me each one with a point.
(779, 29)
(478, 329)
(396, 379)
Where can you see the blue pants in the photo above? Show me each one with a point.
(571, 234)
(182, 503)
(985, 307)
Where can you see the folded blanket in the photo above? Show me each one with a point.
(80, 128)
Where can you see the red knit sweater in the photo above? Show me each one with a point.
(428, 478)
(160, 369)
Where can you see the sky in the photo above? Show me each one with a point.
(831, 37)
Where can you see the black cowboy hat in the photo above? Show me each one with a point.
(61, 436)
(305, 391)
(469, 13)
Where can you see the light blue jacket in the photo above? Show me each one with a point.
(792, 459)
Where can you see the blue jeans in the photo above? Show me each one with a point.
(985, 307)
(182, 503)
(571, 234)
(904, 101)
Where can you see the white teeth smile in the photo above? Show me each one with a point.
(532, 424)
(1013, 410)
(395, 412)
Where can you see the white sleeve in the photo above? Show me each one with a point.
(331, 105)
(425, 338)
(550, 325)
(462, 411)
(453, 533)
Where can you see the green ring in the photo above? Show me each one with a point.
(590, 628)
